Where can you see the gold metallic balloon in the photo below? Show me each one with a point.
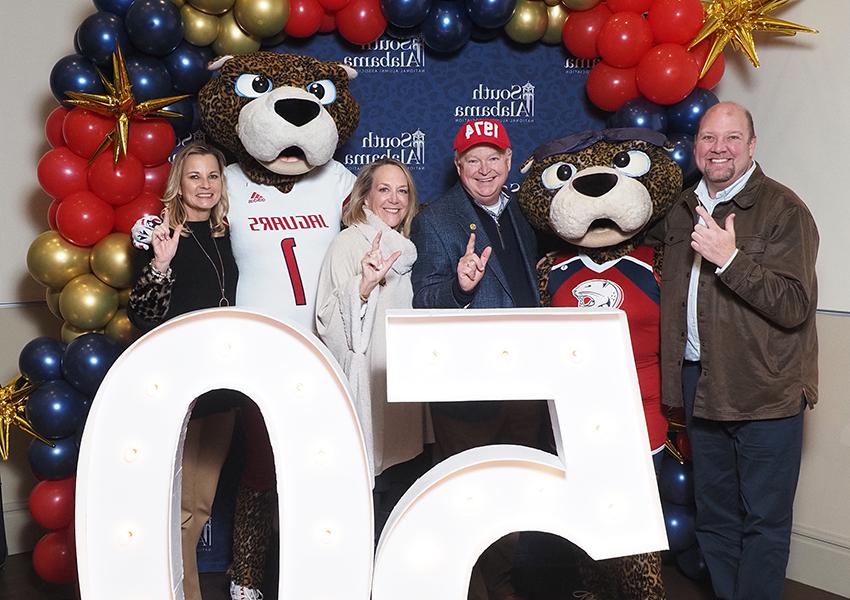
(199, 28)
(261, 18)
(53, 261)
(52, 298)
(124, 297)
(528, 23)
(69, 333)
(178, 3)
(121, 329)
(555, 28)
(88, 303)
(580, 4)
(111, 260)
(551, 2)
(231, 39)
(275, 40)
(213, 7)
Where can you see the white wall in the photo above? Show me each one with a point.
(797, 97)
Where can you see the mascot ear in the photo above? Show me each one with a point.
(526, 166)
(215, 65)
(351, 72)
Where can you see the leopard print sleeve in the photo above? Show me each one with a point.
(150, 298)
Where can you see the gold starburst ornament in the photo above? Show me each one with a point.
(120, 103)
(735, 20)
(13, 401)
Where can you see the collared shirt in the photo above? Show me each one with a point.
(692, 347)
(496, 209)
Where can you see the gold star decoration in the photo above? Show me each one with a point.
(120, 103)
(735, 20)
(13, 401)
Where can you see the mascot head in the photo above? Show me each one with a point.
(282, 115)
(600, 190)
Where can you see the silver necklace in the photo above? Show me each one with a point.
(219, 276)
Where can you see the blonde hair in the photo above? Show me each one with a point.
(365, 179)
(173, 200)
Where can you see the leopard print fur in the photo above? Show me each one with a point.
(252, 532)
(635, 577)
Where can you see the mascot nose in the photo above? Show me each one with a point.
(297, 111)
(596, 184)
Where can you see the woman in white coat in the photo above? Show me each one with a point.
(365, 272)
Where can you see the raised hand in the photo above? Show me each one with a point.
(714, 243)
(375, 267)
(470, 267)
(164, 244)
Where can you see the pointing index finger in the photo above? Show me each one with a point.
(470, 245)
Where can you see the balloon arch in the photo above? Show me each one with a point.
(643, 73)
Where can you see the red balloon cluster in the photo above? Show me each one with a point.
(642, 45)
(51, 504)
(358, 21)
(92, 195)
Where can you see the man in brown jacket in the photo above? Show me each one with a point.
(739, 351)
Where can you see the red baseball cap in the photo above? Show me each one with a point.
(481, 131)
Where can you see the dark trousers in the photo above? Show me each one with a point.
(745, 478)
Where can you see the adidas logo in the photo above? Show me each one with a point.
(256, 197)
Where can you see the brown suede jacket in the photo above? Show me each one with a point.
(756, 320)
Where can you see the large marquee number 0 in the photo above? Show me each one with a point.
(127, 520)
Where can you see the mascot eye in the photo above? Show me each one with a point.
(555, 176)
(633, 163)
(249, 85)
(324, 90)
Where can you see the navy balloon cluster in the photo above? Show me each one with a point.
(150, 35)
(679, 121)
(676, 486)
(66, 379)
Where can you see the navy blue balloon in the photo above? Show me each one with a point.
(149, 77)
(87, 359)
(187, 65)
(401, 33)
(679, 521)
(99, 35)
(54, 463)
(74, 73)
(683, 154)
(483, 34)
(684, 116)
(56, 409)
(77, 41)
(676, 483)
(154, 26)
(490, 14)
(118, 7)
(692, 564)
(405, 13)
(640, 112)
(190, 119)
(447, 26)
(41, 359)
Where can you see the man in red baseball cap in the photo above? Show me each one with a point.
(476, 250)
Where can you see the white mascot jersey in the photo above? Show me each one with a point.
(279, 240)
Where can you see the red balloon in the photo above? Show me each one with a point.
(328, 23)
(638, 6)
(126, 215)
(116, 183)
(305, 18)
(624, 39)
(156, 178)
(61, 172)
(683, 443)
(715, 71)
(675, 21)
(667, 74)
(332, 6)
(151, 140)
(51, 503)
(609, 87)
(84, 219)
(582, 28)
(85, 130)
(51, 214)
(53, 126)
(361, 21)
(53, 559)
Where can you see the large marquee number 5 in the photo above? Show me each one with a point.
(599, 492)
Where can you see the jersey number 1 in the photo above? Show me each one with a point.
(287, 245)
